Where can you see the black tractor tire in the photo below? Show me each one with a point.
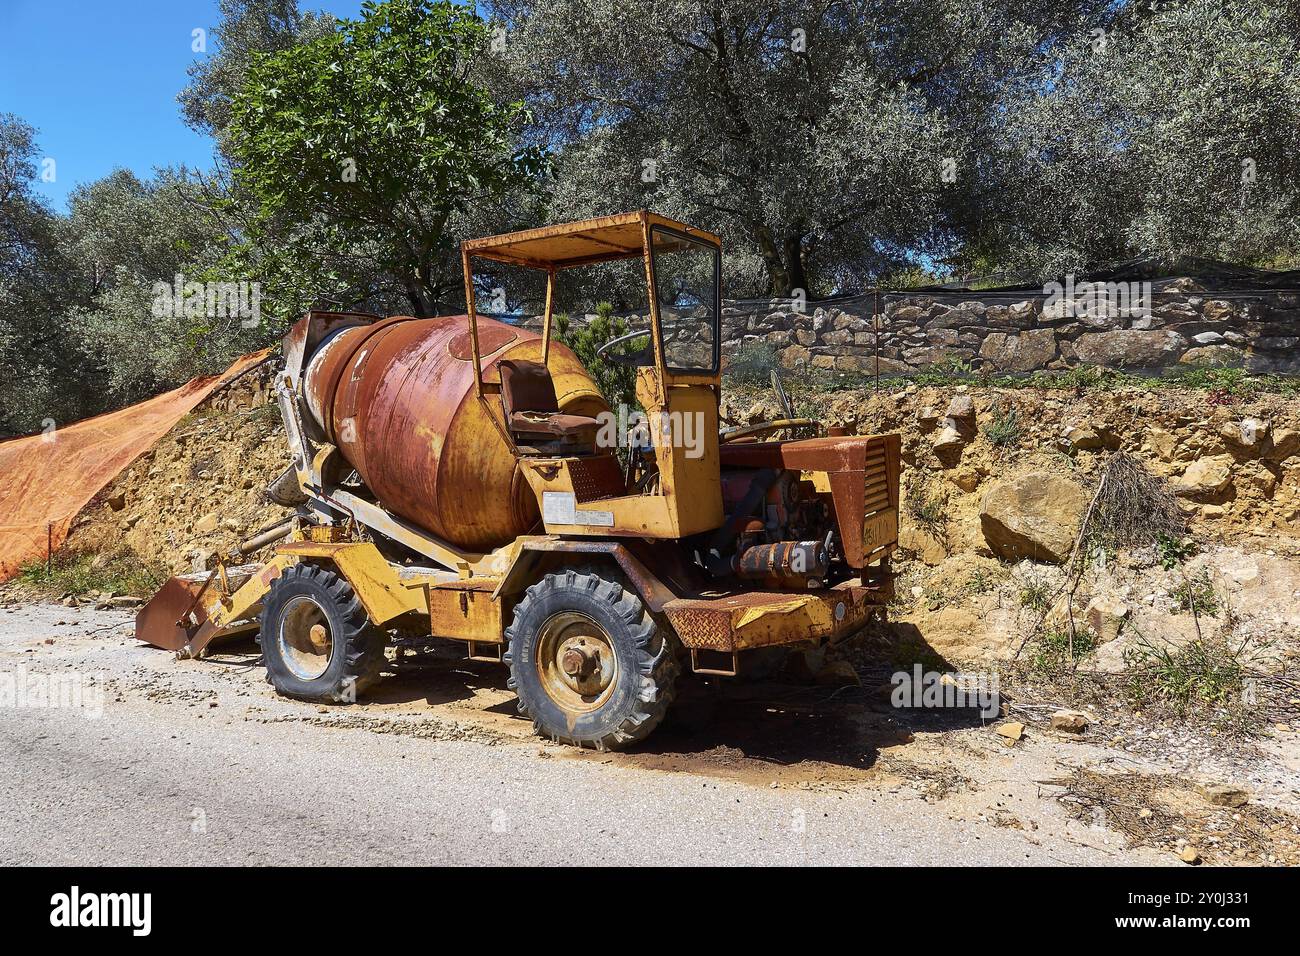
(638, 692)
(306, 595)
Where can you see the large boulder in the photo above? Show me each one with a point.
(1130, 348)
(1025, 352)
(1204, 477)
(1036, 515)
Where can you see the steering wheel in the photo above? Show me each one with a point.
(643, 356)
(745, 433)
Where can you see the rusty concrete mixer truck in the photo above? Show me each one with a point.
(461, 478)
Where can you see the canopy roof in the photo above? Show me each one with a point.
(578, 243)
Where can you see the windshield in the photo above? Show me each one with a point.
(686, 275)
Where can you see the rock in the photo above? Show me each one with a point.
(949, 438)
(206, 524)
(1035, 516)
(1246, 576)
(1070, 722)
(1247, 433)
(1025, 352)
(117, 501)
(1224, 794)
(1106, 616)
(124, 600)
(1081, 438)
(927, 418)
(967, 479)
(1220, 356)
(1189, 855)
(1204, 476)
(1011, 732)
(838, 674)
(1164, 443)
(961, 408)
(1129, 348)
(1286, 442)
(794, 356)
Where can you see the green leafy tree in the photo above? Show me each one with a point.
(132, 239)
(42, 379)
(1162, 129)
(247, 29)
(616, 382)
(362, 146)
(826, 141)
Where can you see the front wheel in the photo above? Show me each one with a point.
(317, 642)
(590, 665)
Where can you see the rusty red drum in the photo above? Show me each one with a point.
(397, 398)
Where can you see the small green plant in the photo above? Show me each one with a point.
(1003, 431)
(616, 382)
(1226, 383)
(1196, 595)
(79, 573)
(927, 510)
(1055, 655)
(1036, 596)
(752, 364)
(1203, 673)
(948, 369)
(1172, 551)
(1081, 378)
(980, 582)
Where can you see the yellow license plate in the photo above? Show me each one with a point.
(879, 530)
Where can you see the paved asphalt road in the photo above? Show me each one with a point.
(131, 788)
(164, 777)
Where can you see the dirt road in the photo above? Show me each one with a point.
(193, 762)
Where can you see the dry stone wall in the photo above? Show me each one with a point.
(1179, 325)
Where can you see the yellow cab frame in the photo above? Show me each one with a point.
(688, 499)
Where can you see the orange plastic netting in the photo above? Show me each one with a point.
(46, 479)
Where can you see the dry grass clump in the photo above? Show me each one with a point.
(1132, 508)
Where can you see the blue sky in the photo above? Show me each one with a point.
(99, 78)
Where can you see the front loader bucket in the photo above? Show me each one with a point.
(191, 611)
(158, 622)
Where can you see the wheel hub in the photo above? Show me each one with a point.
(306, 644)
(576, 661)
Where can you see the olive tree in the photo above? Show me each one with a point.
(828, 141)
(1167, 129)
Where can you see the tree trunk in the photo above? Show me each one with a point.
(794, 264)
(423, 305)
(784, 260)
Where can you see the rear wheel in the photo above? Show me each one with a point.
(317, 642)
(590, 665)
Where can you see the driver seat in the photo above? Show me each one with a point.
(533, 413)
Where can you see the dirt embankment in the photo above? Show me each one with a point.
(997, 482)
(198, 491)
